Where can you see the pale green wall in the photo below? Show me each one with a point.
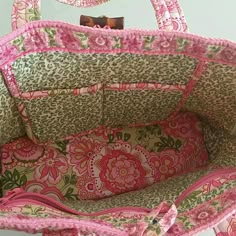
(211, 18)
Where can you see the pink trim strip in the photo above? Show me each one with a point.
(109, 32)
(27, 122)
(217, 173)
(11, 81)
(18, 197)
(209, 225)
(197, 74)
(145, 86)
(76, 92)
(95, 88)
(33, 225)
(126, 33)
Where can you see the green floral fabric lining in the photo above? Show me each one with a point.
(226, 157)
(57, 116)
(60, 70)
(11, 125)
(122, 108)
(214, 96)
(36, 72)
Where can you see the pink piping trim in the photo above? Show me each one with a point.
(189, 88)
(18, 196)
(115, 51)
(76, 92)
(10, 80)
(97, 87)
(30, 225)
(14, 222)
(109, 32)
(19, 202)
(145, 86)
(209, 177)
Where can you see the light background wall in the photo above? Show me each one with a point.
(210, 18)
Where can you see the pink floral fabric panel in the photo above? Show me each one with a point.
(25, 11)
(227, 227)
(106, 161)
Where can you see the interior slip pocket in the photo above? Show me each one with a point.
(55, 114)
(140, 103)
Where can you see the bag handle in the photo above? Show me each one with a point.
(168, 13)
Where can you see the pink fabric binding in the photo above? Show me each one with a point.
(169, 14)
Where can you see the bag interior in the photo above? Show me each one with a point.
(75, 109)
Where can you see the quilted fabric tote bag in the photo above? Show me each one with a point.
(116, 132)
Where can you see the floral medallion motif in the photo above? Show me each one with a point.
(51, 167)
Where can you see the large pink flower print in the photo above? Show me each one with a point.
(42, 188)
(67, 39)
(204, 214)
(80, 151)
(193, 154)
(87, 188)
(165, 164)
(164, 44)
(121, 172)
(184, 125)
(22, 152)
(7, 159)
(7, 53)
(100, 42)
(27, 152)
(228, 54)
(51, 167)
(132, 43)
(36, 40)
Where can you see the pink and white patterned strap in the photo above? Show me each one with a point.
(25, 11)
(169, 14)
